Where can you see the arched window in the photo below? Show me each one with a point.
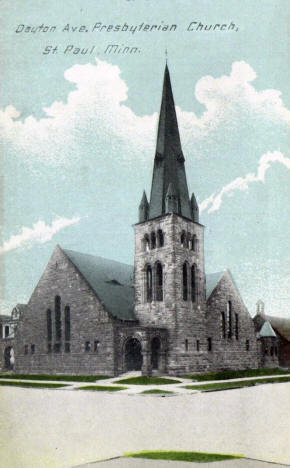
(184, 282)
(57, 310)
(159, 282)
(223, 315)
(146, 242)
(182, 239)
(237, 326)
(153, 240)
(209, 344)
(160, 238)
(193, 244)
(67, 323)
(229, 314)
(193, 283)
(148, 283)
(7, 331)
(49, 325)
(186, 344)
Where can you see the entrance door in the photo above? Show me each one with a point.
(155, 352)
(8, 357)
(133, 355)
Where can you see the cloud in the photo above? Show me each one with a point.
(95, 118)
(214, 201)
(39, 233)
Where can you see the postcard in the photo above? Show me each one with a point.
(145, 228)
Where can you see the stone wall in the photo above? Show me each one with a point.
(90, 323)
(184, 319)
(5, 345)
(268, 351)
(234, 351)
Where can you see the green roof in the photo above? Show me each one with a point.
(280, 325)
(111, 281)
(212, 280)
(267, 330)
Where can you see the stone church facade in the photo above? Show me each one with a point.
(90, 315)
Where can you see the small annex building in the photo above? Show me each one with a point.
(164, 315)
(8, 325)
(273, 335)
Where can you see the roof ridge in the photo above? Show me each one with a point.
(96, 256)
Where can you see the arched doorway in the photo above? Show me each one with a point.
(133, 355)
(8, 357)
(155, 352)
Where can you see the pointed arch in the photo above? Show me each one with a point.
(149, 283)
(223, 318)
(159, 281)
(193, 283)
(146, 243)
(57, 312)
(67, 323)
(193, 243)
(160, 238)
(230, 318)
(183, 239)
(153, 240)
(185, 281)
(49, 325)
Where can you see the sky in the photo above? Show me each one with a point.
(78, 133)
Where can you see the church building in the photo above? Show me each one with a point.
(164, 315)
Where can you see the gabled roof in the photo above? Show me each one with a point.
(281, 325)
(212, 280)
(111, 281)
(267, 330)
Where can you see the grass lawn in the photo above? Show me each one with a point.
(237, 384)
(101, 388)
(64, 378)
(143, 380)
(232, 374)
(32, 384)
(156, 390)
(181, 455)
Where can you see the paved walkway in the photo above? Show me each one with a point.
(177, 389)
(124, 462)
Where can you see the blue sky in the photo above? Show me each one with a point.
(78, 135)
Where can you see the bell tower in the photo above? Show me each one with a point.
(169, 258)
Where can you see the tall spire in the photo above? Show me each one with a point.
(169, 160)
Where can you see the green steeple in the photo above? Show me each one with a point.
(169, 161)
(194, 209)
(143, 208)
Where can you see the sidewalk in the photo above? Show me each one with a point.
(124, 462)
(176, 389)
